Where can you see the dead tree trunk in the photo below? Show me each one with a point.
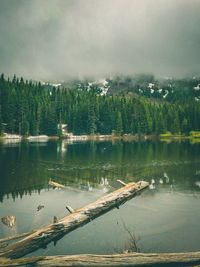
(79, 217)
(132, 259)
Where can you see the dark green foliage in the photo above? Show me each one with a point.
(1, 125)
(118, 124)
(91, 121)
(29, 108)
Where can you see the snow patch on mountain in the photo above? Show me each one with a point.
(197, 87)
(151, 85)
(166, 94)
(56, 85)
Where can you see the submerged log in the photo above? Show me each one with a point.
(40, 207)
(9, 220)
(79, 217)
(132, 259)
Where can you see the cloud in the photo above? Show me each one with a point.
(57, 39)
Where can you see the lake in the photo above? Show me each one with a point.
(164, 218)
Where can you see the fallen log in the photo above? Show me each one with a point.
(55, 184)
(79, 217)
(130, 259)
(5, 241)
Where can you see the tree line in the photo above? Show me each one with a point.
(30, 108)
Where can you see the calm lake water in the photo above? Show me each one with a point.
(165, 218)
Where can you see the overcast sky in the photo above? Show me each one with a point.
(56, 39)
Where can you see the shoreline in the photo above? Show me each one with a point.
(13, 138)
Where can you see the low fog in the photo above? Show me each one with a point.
(58, 39)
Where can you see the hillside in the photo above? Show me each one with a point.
(168, 88)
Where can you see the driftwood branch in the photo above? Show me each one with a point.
(70, 209)
(78, 218)
(132, 259)
(121, 182)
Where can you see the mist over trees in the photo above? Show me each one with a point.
(30, 108)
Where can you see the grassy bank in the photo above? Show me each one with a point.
(193, 137)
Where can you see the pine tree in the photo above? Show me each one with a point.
(1, 122)
(184, 126)
(175, 128)
(118, 123)
(91, 120)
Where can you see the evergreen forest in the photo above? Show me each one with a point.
(31, 108)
